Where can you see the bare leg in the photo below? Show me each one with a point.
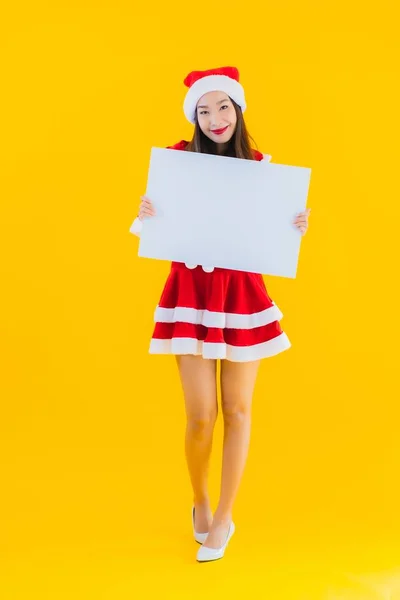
(237, 385)
(198, 377)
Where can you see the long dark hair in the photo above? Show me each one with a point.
(239, 144)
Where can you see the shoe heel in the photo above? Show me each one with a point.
(199, 537)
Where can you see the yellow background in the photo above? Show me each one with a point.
(95, 494)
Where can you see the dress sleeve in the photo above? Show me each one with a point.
(136, 227)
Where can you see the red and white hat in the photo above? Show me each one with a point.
(224, 79)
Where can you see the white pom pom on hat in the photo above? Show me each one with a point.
(223, 79)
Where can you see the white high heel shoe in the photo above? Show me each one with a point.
(205, 554)
(199, 537)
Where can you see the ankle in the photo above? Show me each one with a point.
(202, 502)
(222, 518)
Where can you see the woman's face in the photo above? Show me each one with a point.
(216, 116)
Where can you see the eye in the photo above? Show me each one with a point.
(224, 106)
(202, 112)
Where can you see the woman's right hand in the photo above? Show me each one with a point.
(146, 208)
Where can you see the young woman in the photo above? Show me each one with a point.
(208, 313)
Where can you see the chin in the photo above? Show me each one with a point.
(222, 139)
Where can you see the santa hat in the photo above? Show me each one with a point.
(224, 79)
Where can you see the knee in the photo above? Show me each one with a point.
(201, 424)
(236, 415)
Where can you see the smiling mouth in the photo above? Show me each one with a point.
(220, 131)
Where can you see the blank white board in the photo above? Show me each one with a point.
(224, 212)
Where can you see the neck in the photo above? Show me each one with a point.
(222, 148)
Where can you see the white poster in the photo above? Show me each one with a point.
(224, 212)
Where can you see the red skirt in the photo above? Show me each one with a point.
(224, 314)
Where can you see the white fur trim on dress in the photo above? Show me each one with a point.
(212, 83)
(136, 227)
(220, 320)
(221, 350)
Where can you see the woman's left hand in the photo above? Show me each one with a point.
(301, 221)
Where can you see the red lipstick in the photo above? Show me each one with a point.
(220, 131)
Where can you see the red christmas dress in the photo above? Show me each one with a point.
(217, 313)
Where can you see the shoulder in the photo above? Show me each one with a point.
(260, 156)
(179, 146)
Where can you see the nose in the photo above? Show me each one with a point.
(216, 120)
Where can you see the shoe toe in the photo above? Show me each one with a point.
(205, 554)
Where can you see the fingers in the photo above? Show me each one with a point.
(146, 203)
(303, 215)
(301, 220)
(300, 223)
(146, 208)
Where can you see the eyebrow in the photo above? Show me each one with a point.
(220, 102)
